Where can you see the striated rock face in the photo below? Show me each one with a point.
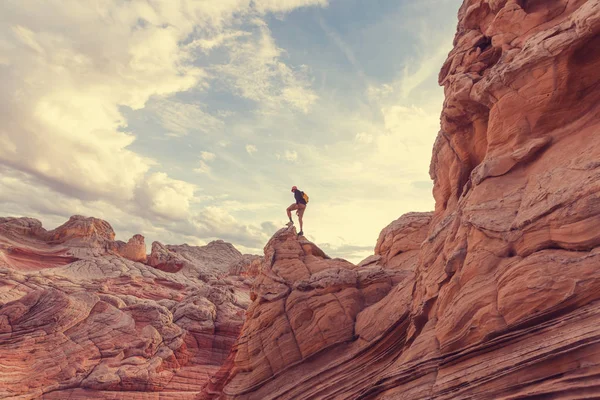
(78, 238)
(101, 325)
(303, 303)
(496, 295)
(502, 298)
(81, 229)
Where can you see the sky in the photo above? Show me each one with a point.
(189, 120)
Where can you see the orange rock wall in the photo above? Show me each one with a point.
(503, 300)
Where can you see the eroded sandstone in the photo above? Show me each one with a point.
(501, 299)
(80, 317)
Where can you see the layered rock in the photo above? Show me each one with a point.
(165, 260)
(87, 322)
(209, 263)
(503, 301)
(304, 303)
(78, 238)
(399, 243)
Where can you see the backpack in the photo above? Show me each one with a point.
(305, 197)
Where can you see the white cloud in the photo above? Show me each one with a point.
(291, 156)
(255, 71)
(214, 222)
(62, 94)
(251, 149)
(174, 226)
(64, 86)
(203, 168)
(165, 197)
(206, 44)
(179, 119)
(286, 5)
(207, 155)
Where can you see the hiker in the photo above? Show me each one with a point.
(300, 206)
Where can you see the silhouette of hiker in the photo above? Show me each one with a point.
(300, 205)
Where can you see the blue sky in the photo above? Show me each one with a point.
(188, 121)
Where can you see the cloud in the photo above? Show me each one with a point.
(168, 216)
(65, 86)
(348, 251)
(269, 227)
(203, 168)
(256, 72)
(162, 196)
(61, 101)
(207, 156)
(291, 156)
(251, 149)
(213, 76)
(179, 119)
(206, 44)
(215, 222)
(286, 5)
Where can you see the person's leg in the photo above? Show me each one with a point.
(289, 211)
(301, 209)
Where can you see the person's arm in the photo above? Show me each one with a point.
(297, 196)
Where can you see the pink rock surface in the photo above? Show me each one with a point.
(502, 299)
(496, 295)
(106, 326)
(304, 303)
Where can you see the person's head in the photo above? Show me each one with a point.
(294, 188)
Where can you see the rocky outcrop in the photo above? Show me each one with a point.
(165, 260)
(80, 237)
(209, 263)
(399, 243)
(248, 266)
(304, 303)
(100, 325)
(134, 249)
(503, 299)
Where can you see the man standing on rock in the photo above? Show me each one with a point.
(300, 205)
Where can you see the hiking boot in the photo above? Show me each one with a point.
(300, 233)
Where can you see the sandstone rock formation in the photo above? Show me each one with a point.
(502, 300)
(209, 263)
(248, 266)
(80, 237)
(304, 302)
(399, 243)
(496, 295)
(81, 318)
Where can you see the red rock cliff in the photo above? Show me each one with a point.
(502, 300)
